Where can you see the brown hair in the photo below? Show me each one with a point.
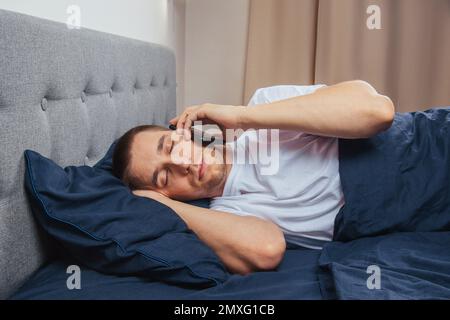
(122, 155)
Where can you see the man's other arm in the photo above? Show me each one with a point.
(243, 243)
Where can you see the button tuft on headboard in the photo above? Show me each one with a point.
(44, 104)
(115, 86)
(83, 97)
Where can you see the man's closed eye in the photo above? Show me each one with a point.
(167, 178)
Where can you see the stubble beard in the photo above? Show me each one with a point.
(217, 183)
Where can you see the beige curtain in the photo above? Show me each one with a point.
(281, 43)
(408, 59)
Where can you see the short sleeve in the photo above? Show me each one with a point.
(276, 93)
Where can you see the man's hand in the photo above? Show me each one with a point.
(226, 117)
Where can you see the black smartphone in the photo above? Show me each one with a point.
(193, 132)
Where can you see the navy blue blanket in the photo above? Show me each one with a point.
(397, 206)
(398, 180)
(396, 266)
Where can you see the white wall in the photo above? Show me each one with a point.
(216, 44)
(179, 23)
(145, 20)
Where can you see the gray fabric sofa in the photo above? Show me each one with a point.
(67, 94)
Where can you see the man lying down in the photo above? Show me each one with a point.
(257, 203)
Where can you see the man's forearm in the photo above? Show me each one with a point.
(351, 109)
(244, 244)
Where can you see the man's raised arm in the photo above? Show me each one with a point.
(351, 109)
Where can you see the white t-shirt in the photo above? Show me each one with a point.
(304, 196)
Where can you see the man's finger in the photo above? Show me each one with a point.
(180, 123)
(187, 128)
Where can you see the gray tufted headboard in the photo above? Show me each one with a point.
(66, 94)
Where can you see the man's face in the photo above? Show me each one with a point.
(175, 167)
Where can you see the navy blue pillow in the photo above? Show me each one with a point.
(98, 221)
